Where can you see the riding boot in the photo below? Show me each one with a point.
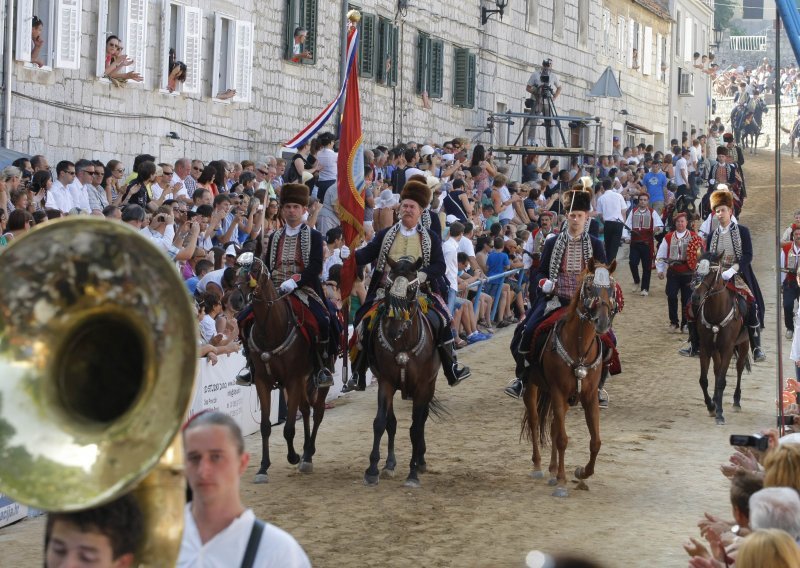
(755, 344)
(693, 349)
(602, 394)
(323, 377)
(358, 369)
(452, 371)
(245, 376)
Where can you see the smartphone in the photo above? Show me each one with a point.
(788, 420)
(756, 441)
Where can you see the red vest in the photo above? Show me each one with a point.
(790, 261)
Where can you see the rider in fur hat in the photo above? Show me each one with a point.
(554, 282)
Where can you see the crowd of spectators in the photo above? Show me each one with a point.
(734, 80)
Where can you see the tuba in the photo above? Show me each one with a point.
(97, 364)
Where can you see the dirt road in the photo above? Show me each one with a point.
(656, 474)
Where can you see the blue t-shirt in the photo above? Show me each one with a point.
(655, 184)
(496, 262)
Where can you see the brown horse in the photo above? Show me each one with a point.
(569, 370)
(280, 356)
(721, 332)
(403, 357)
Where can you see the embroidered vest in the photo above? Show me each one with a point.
(791, 260)
(642, 225)
(289, 260)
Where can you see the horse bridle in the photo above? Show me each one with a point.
(711, 292)
(590, 302)
(254, 296)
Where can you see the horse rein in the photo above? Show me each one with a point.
(711, 292)
(264, 272)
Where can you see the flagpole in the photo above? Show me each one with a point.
(779, 251)
(343, 9)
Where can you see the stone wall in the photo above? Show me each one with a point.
(67, 113)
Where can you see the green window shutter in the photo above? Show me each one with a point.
(436, 83)
(471, 80)
(293, 20)
(366, 49)
(310, 12)
(460, 77)
(423, 63)
(394, 43)
(383, 51)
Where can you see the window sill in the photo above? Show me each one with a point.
(32, 67)
(168, 93)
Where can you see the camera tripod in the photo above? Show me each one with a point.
(548, 108)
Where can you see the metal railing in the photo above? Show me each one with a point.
(480, 284)
(749, 43)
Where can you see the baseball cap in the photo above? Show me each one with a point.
(426, 150)
(230, 251)
(616, 139)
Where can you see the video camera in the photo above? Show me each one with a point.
(544, 78)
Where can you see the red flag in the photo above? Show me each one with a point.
(351, 167)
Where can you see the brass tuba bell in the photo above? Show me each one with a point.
(98, 349)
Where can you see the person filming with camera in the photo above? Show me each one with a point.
(544, 88)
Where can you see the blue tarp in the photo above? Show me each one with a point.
(791, 21)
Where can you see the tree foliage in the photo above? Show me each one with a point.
(723, 12)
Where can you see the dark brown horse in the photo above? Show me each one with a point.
(721, 332)
(280, 356)
(403, 357)
(569, 370)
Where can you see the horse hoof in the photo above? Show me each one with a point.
(552, 482)
(305, 467)
(712, 412)
(720, 421)
(371, 480)
(387, 473)
(422, 468)
(293, 459)
(561, 492)
(537, 474)
(412, 483)
(261, 478)
(737, 407)
(579, 472)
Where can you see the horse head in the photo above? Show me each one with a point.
(401, 294)
(706, 276)
(253, 281)
(598, 296)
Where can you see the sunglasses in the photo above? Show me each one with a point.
(262, 172)
(195, 168)
(72, 173)
(120, 170)
(98, 173)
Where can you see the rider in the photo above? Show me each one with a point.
(294, 259)
(672, 259)
(407, 238)
(733, 241)
(555, 280)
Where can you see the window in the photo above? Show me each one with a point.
(61, 32)
(678, 34)
(664, 49)
(647, 52)
(301, 14)
(685, 84)
(366, 42)
(464, 74)
(605, 47)
(430, 66)
(558, 18)
(633, 44)
(688, 42)
(660, 59)
(583, 22)
(128, 21)
(621, 39)
(388, 37)
(533, 13)
(233, 59)
(181, 40)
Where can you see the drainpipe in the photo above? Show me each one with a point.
(7, 64)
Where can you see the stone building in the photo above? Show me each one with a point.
(424, 72)
(690, 87)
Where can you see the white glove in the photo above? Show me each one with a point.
(344, 252)
(728, 274)
(712, 181)
(547, 285)
(422, 277)
(288, 286)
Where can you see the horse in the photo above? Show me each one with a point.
(721, 332)
(280, 355)
(794, 135)
(751, 129)
(403, 356)
(737, 121)
(569, 369)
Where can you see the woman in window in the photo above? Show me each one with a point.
(177, 72)
(116, 60)
(37, 41)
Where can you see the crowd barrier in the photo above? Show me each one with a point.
(478, 285)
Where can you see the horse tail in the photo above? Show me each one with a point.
(545, 408)
(438, 409)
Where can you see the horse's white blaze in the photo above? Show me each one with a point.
(602, 277)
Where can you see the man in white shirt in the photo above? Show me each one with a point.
(682, 173)
(155, 231)
(450, 252)
(58, 196)
(180, 175)
(219, 532)
(611, 208)
(84, 175)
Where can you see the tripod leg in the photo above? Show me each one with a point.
(552, 111)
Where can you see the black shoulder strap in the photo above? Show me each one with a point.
(252, 544)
